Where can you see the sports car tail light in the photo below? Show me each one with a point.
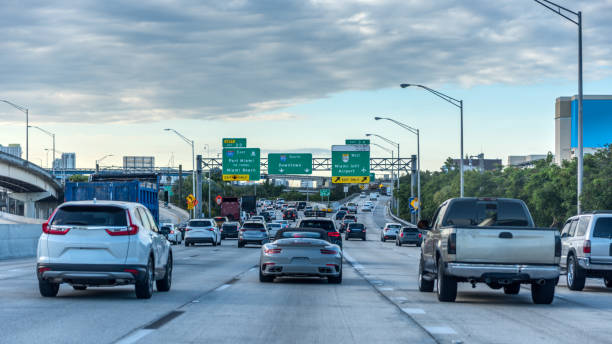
(333, 234)
(420, 235)
(587, 246)
(131, 229)
(326, 251)
(132, 271)
(187, 229)
(272, 250)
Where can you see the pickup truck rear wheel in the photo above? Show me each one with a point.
(512, 289)
(575, 274)
(424, 285)
(543, 294)
(447, 285)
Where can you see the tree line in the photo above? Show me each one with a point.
(549, 190)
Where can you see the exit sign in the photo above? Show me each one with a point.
(234, 142)
(357, 141)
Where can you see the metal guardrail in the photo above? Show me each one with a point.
(395, 218)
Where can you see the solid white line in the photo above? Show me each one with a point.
(225, 286)
(385, 289)
(440, 330)
(413, 310)
(134, 337)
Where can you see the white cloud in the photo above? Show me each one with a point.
(111, 61)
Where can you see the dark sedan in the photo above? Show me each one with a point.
(355, 230)
(409, 235)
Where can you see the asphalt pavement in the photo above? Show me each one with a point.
(216, 297)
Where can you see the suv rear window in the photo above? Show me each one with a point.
(253, 225)
(356, 225)
(200, 223)
(410, 230)
(486, 213)
(603, 228)
(327, 225)
(230, 225)
(87, 215)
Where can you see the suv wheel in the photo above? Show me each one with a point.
(48, 289)
(424, 285)
(447, 285)
(575, 274)
(608, 282)
(543, 294)
(512, 289)
(144, 287)
(165, 283)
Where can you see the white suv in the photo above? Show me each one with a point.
(100, 243)
(586, 248)
(202, 231)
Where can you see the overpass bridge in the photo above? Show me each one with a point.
(30, 184)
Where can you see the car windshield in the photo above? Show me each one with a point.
(410, 230)
(85, 215)
(603, 228)
(327, 225)
(311, 235)
(274, 225)
(200, 223)
(485, 213)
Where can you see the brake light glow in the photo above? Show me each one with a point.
(43, 269)
(326, 251)
(131, 229)
(272, 250)
(420, 235)
(402, 234)
(587, 246)
(333, 234)
(171, 232)
(187, 229)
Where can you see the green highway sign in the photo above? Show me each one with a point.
(241, 164)
(357, 141)
(350, 164)
(234, 142)
(372, 177)
(289, 163)
(324, 192)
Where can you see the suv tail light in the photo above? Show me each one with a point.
(452, 243)
(420, 235)
(55, 231)
(333, 234)
(326, 251)
(131, 229)
(187, 229)
(272, 250)
(402, 234)
(211, 229)
(587, 246)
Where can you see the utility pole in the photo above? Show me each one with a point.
(180, 185)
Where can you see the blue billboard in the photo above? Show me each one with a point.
(596, 122)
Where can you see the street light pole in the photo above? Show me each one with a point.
(208, 156)
(564, 12)
(52, 136)
(193, 177)
(389, 151)
(99, 160)
(398, 166)
(26, 111)
(458, 103)
(417, 133)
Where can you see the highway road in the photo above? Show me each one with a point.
(216, 297)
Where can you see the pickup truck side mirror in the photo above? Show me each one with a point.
(423, 225)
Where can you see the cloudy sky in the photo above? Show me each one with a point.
(108, 76)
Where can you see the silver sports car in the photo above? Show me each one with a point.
(301, 252)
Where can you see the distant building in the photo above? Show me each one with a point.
(67, 161)
(13, 149)
(139, 162)
(596, 124)
(517, 160)
(479, 163)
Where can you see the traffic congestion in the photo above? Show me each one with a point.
(370, 256)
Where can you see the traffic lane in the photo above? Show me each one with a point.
(291, 311)
(480, 315)
(103, 315)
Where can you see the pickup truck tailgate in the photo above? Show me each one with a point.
(505, 245)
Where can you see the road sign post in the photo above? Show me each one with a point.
(241, 164)
(351, 163)
(289, 163)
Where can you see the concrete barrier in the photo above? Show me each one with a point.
(19, 240)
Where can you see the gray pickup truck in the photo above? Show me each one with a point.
(490, 240)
